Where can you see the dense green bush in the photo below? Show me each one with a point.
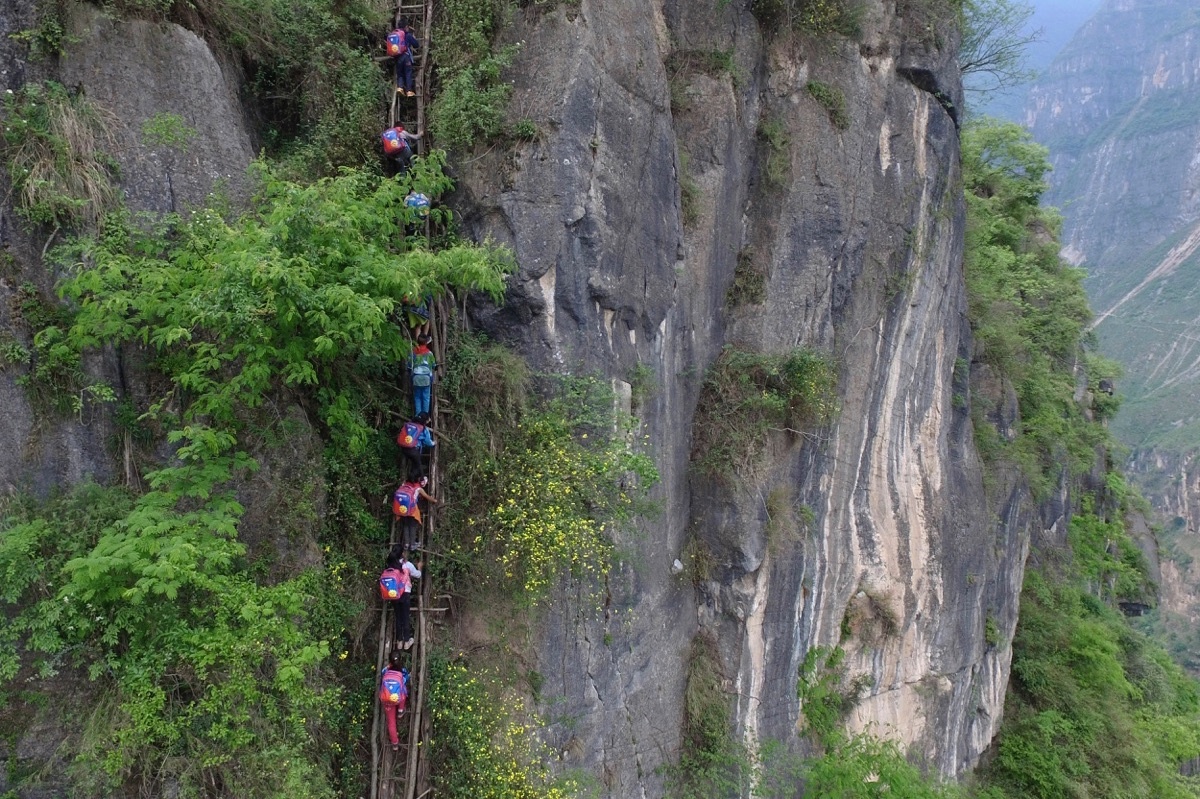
(540, 479)
(472, 101)
(213, 669)
(472, 98)
(1095, 708)
(746, 395)
(1028, 308)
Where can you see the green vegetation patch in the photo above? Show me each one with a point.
(778, 162)
(747, 395)
(712, 762)
(472, 99)
(213, 668)
(1027, 307)
(480, 748)
(815, 17)
(832, 100)
(1093, 704)
(541, 478)
(53, 143)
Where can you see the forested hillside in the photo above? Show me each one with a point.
(768, 451)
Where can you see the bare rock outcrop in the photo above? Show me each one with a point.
(629, 214)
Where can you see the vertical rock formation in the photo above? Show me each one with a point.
(628, 215)
(132, 70)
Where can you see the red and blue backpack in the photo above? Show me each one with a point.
(404, 501)
(394, 583)
(410, 435)
(393, 142)
(394, 688)
(397, 43)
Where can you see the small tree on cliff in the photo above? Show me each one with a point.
(995, 35)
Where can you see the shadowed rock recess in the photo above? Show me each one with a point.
(628, 215)
(677, 140)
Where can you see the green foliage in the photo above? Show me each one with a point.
(472, 99)
(1095, 709)
(482, 749)
(210, 676)
(301, 291)
(749, 286)
(1027, 307)
(711, 762)
(778, 163)
(827, 693)
(865, 767)
(168, 130)
(1107, 559)
(525, 129)
(991, 631)
(815, 17)
(51, 371)
(48, 37)
(53, 143)
(832, 100)
(540, 484)
(746, 395)
(471, 103)
(214, 670)
(1104, 405)
(642, 386)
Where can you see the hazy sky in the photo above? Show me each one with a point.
(1058, 19)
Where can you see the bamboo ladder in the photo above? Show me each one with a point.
(414, 783)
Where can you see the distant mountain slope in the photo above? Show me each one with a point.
(1120, 110)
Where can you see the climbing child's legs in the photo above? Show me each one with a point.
(420, 400)
(390, 712)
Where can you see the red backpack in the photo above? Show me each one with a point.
(393, 142)
(404, 501)
(393, 689)
(410, 435)
(394, 583)
(397, 43)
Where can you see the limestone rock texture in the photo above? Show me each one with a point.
(133, 70)
(628, 214)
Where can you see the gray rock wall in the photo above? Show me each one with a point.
(862, 246)
(133, 70)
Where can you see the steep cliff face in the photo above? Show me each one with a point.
(677, 140)
(133, 70)
(628, 215)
